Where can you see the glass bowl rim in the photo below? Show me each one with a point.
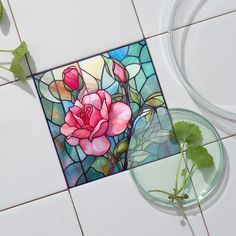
(198, 97)
(214, 183)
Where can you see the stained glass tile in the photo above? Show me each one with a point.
(106, 113)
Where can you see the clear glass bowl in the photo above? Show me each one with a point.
(161, 174)
(202, 46)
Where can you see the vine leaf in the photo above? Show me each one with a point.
(20, 51)
(17, 69)
(188, 133)
(200, 156)
(1, 9)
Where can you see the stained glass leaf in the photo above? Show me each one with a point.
(101, 164)
(155, 100)
(135, 96)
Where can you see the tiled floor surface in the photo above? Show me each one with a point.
(34, 198)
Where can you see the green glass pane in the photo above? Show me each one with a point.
(130, 60)
(140, 80)
(134, 49)
(58, 114)
(47, 106)
(144, 56)
(92, 174)
(87, 162)
(72, 152)
(148, 69)
(151, 86)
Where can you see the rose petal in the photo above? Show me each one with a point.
(95, 117)
(92, 99)
(70, 119)
(73, 141)
(78, 104)
(100, 129)
(97, 147)
(81, 133)
(119, 116)
(104, 111)
(105, 96)
(67, 130)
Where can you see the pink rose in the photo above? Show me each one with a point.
(92, 118)
(71, 77)
(119, 71)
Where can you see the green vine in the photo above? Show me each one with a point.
(16, 67)
(190, 139)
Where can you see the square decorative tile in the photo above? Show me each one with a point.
(28, 167)
(49, 216)
(114, 206)
(58, 32)
(94, 106)
(9, 40)
(155, 14)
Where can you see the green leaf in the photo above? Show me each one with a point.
(20, 51)
(121, 147)
(135, 96)
(188, 133)
(108, 65)
(101, 164)
(149, 114)
(17, 69)
(183, 172)
(1, 9)
(200, 156)
(117, 97)
(155, 100)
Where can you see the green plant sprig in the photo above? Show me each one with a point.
(18, 53)
(1, 9)
(190, 139)
(16, 66)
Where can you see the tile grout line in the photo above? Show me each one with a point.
(192, 24)
(67, 190)
(144, 37)
(76, 213)
(33, 200)
(139, 22)
(18, 33)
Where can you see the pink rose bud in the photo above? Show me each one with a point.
(71, 77)
(119, 71)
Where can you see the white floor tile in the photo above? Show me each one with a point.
(155, 14)
(175, 94)
(114, 206)
(220, 216)
(49, 216)
(29, 166)
(59, 32)
(9, 40)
